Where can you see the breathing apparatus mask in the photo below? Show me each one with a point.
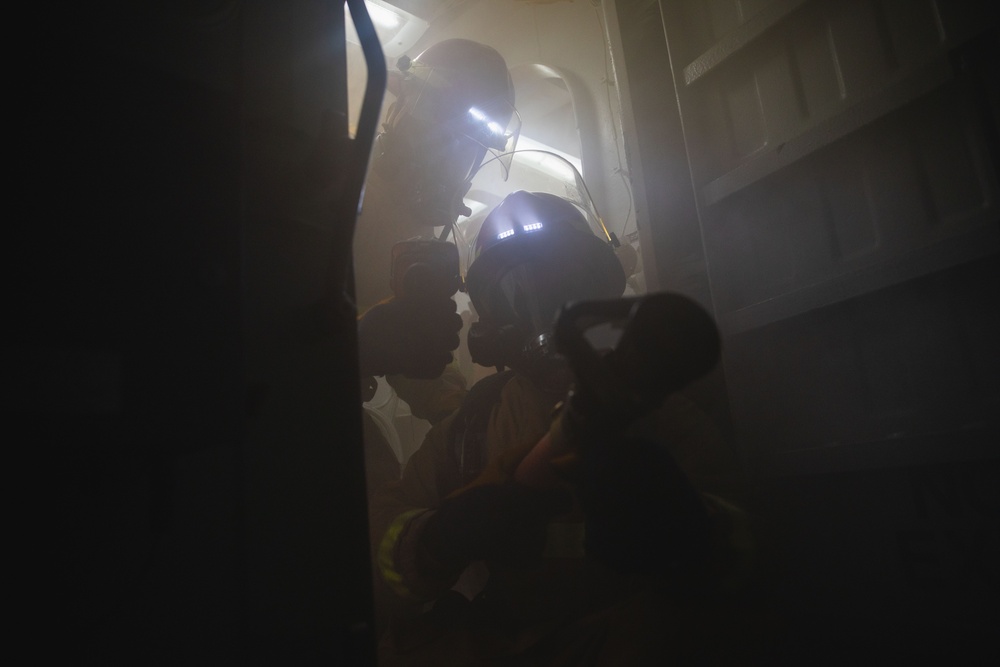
(534, 252)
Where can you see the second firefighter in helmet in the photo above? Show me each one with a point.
(454, 105)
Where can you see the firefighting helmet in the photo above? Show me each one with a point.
(535, 251)
(454, 105)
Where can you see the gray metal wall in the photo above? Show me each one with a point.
(824, 176)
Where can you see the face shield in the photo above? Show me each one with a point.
(529, 290)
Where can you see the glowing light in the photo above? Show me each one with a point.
(480, 117)
(397, 30)
(503, 235)
(532, 227)
(382, 17)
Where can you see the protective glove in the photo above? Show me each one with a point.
(412, 334)
(502, 523)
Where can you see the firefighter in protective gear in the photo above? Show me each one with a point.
(453, 104)
(430, 146)
(459, 525)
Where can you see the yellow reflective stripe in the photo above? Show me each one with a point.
(387, 550)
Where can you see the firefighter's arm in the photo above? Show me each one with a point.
(400, 511)
(425, 548)
(642, 512)
(424, 551)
